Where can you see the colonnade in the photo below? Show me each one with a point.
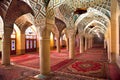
(86, 42)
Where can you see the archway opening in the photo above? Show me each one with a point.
(119, 35)
(1, 33)
(63, 41)
(13, 42)
(30, 40)
(15, 37)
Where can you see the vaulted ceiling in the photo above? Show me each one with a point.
(81, 13)
(87, 13)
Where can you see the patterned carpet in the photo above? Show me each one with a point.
(86, 68)
(67, 76)
(90, 65)
(61, 64)
(92, 57)
(33, 62)
(15, 72)
(64, 76)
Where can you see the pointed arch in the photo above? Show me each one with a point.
(1, 27)
(95, 28)
(15, 10)
(92, 12)
(97, 22)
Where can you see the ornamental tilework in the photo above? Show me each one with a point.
(39, 8)
(58, 2)
(67, 7)
(101, 5)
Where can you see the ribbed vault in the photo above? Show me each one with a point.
(12, 9)
(97, 11)
(25, 21)
(59, 24)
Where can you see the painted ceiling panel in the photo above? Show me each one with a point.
(67, 8)
(38, 8)
(70, 6)
(60, 24)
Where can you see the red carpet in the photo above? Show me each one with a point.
(15, 72)
(29, 60)
(59, 65)
(24, 57)
(67, 76)
(32, 60)
(89, 65)
(92, 56)
(114, 72)
(86, 68)
(33, 63)
(92, 63)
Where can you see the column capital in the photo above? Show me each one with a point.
(43, 32)
(81, 34)
(87, 35)
(39, 23)
(44, 27)
(55, 31)
(8, 30)
(70, 32)
(57, 35)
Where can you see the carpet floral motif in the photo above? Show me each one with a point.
(85, 67)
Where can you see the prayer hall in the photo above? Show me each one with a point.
(59, 39)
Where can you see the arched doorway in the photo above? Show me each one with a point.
(0, 45)
(63, 41)
(119, 34)
(30, 40)
(1, 34)
(52, 41)
(13, 42)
